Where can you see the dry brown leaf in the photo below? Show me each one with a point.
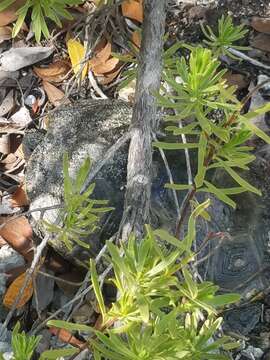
(106, 67)
(133, 9)
(237, 80)
(19, 197)
(9, 15)
(14, 289)
(136, 38)
(66, 337)
(18, 234)
(55, 72)
(5, 33)
(54, 94)
(107, 78)
(2, 241)
(101, 55)
(261, 24)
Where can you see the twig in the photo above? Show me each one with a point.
(169, 173)
(248, 58)
(95, 85)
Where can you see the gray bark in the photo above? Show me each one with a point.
(137, 199)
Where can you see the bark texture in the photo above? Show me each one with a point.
(137, 199)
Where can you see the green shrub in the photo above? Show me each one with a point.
(40, 10)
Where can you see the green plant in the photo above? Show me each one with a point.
(80, 214)
(40, 10)
(23, 346)
(220, 141)
(159, 306)
(228, 33)
(161, 312)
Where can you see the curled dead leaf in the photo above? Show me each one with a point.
(18, 234)
(14, 289)
(9, 15)
(66, 337)
(106, 67)
(133, 9)
(55, 72)
(136, 38)
(102, 54)
(5, 33)
(19, 197)
(54, 94)
(105, 79)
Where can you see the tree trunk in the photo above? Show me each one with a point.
(138, 191)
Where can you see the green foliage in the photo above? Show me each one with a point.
(228, 33)
(220, 142)
(40, 10)
(159, 305)
(161, 311)
(23, 346)
(81, 213)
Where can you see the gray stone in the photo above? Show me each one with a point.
(44, 291)
(9, 259)
(89, 128)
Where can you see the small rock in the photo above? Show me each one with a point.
(253, 353)
(264, 340)
(261, 42)
(267, 315)
(44, 343)
(197, 12)
(9, 259)
(260, 24)
(45, 291)
(4, 347)
(84, 314)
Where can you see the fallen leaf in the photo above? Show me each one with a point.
(5, 33)
(136, 38)
(237, 80)
(22, 117)
(102, 54)
(133, 9)
(55, 72)
(66, 336)
(2, 241)
(261, 24)
(54, 94)
(18, 234)
(9, 15)
(76, 53)
(18, 58)
(106, 67)
(14, 289)
(107, 78)
(7, 103)
(19, 197)
(261, 42)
